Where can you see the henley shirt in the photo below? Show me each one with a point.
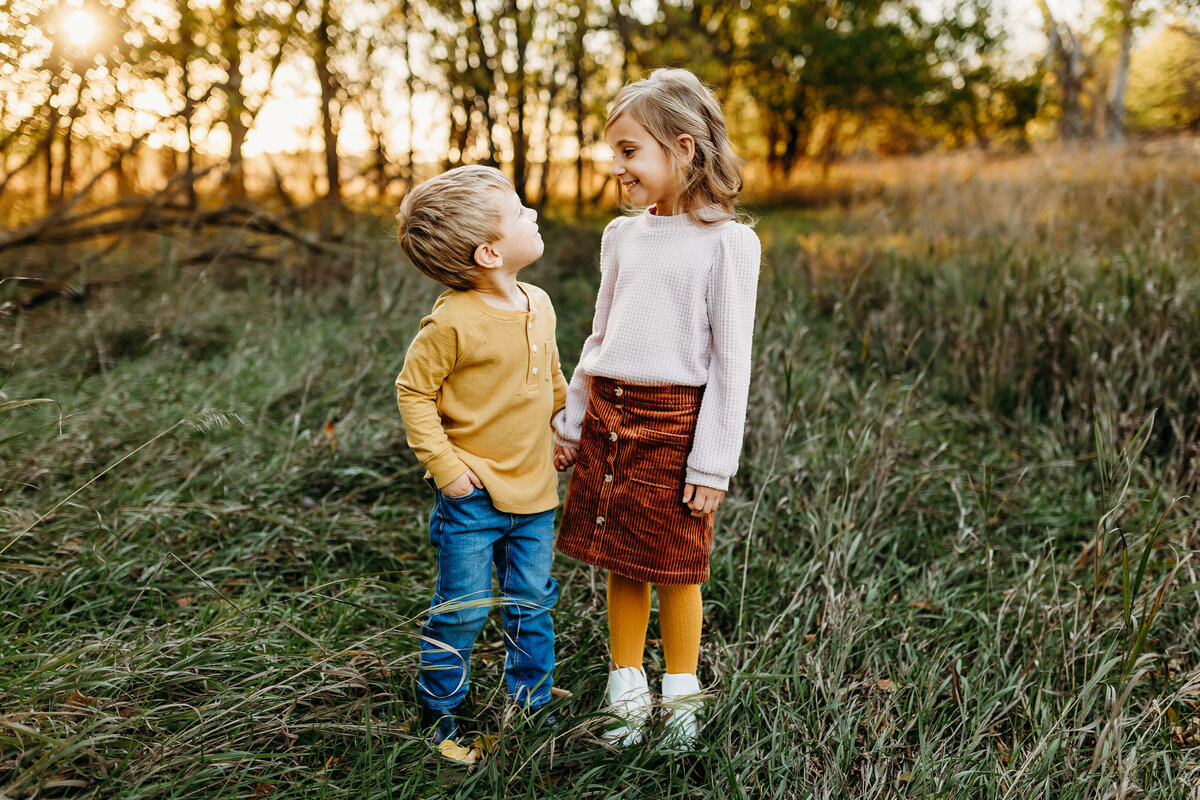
(478, 390)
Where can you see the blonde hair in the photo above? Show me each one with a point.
(442, 222)
(669, 104)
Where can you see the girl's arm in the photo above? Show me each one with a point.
(731, 294)
(577, 392)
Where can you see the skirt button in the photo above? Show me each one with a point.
(618, 391)
(608, 478)
(612, 437)
(599, 520)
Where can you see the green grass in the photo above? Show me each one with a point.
(951, 564)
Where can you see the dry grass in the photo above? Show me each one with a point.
(952, 566)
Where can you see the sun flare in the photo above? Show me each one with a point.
(80, 28)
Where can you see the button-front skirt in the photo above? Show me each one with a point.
(625, 509)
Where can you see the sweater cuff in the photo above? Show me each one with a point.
(446, 469)
(559, 424)
(699, 478)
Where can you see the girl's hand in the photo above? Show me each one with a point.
(702, 500)
(462, 484)
(564, 456)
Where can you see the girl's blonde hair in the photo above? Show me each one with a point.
(669, 104)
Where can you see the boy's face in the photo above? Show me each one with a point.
(520, 243)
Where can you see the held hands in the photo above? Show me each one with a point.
(463, 484)
(564, 456)
(702, 500)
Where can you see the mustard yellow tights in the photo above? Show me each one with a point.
(680, 616)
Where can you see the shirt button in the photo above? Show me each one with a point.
(535, 348)
(535, 370)
(618, 391)
(612, 437)
(608, 478)
(599, 520)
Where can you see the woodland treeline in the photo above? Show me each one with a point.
(120, 113)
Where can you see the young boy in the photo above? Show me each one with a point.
(480, 384)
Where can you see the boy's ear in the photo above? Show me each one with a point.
(687, 147)
(487, 257)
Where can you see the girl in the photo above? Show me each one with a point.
(657, 405)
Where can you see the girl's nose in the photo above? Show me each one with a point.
(617, 170)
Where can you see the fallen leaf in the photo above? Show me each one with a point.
(484, 743)
(78, 700)
(558, 691)
(922, 604)
(885, 685)
(454, 751)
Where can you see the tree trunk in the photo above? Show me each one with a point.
(522, 23)
(55, 67)
(324, 44)
(235, 100)
(187, 45)
(65, 175)
(410, 91)
(579, 83)
(483, 83)
(1116, 127)
(1064, 53)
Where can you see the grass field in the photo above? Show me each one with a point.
(957, 561)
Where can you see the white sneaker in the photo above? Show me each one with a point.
(628, 700)
(681, 701)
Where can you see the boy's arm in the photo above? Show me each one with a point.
(560, 388)
(430, 359)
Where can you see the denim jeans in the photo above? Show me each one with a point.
(470, 535)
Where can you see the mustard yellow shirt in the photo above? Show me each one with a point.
(479, 388)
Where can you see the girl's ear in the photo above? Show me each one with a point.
(487, 257)
(687, 147)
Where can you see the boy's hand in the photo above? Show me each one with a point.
(462, 484)
(564, 456)
(702, 500)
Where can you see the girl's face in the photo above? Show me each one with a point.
(642, 165)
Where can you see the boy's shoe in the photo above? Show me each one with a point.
(442, 724)
(681, 701)
(628, 700)
(544, 719)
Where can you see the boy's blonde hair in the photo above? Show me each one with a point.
(673, 102)
(442, 222)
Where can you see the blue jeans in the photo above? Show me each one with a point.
(470, 535)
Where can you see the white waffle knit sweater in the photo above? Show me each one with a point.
(676, 308)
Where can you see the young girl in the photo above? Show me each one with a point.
(657, 405)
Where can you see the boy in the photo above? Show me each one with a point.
(480, 384)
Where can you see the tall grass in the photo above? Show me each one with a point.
(954, 562)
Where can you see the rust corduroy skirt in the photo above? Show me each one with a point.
(624, 509)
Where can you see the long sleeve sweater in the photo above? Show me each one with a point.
(676, 307)
(478, 390)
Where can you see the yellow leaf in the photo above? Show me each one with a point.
(454, 751)
(885, 685)
(484, 743)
